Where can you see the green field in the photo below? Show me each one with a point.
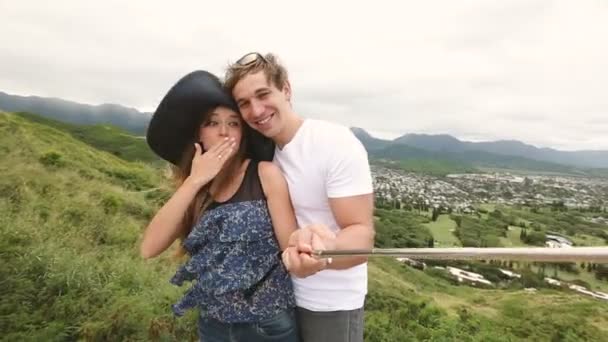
(587, 240)
(512, 239)
(487, 206)
(523, 172)
(443, 232)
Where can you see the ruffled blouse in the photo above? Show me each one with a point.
(235, 267)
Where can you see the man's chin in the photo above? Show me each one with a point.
(268, 133)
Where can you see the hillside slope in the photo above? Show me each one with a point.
(71, 217)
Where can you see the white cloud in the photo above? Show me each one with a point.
(489, 69)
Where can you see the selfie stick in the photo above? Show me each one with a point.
(542, 254)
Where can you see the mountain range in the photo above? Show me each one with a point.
(454, 148)
(492, 154)
(127, 118)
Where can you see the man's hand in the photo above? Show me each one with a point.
(298, 258)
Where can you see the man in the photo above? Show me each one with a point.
(330, 186)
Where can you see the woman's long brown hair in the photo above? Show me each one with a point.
(204, 197)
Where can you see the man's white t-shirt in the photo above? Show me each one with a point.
(325, 160)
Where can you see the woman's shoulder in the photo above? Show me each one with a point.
(268, 169)
(270, 175)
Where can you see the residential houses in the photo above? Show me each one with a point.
(457, 192)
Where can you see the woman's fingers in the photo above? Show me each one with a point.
(225, 149)
(216, 155)
(197, 151)
(219, 145)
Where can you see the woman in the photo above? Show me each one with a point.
(224, 210)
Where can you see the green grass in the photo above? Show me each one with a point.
(595, 284)
(512, 239)
(587, 240)
(443, 232)
(400, 229)
(423, 307)
(70, 221)
(487, 206)
(429, 166)
(570, 223)
(551, 219)
(71, 218)
(588, 277)
(107, 138)
(566, 171)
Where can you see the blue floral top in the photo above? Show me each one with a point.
(235, 262)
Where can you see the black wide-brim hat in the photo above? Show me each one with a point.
(178, 116)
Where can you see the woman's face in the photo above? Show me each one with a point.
(222, 122)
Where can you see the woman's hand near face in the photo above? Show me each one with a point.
(165, 226)
(205, 166)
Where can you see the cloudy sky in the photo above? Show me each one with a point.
(535, 71)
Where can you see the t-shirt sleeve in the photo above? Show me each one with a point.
(348, 172)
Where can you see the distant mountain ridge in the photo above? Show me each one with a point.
(130, 119)
(448, 144)
(136, 122)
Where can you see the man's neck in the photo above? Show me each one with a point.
(290, 130)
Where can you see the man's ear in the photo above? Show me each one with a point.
(287, 90)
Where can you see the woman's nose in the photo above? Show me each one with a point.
(223, 130)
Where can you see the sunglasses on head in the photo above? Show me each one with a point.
(251, 58)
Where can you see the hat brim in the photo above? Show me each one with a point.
(174, 123)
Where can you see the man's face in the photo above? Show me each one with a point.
(264, 107)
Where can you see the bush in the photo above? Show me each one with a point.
(111, 204)
(130, 177)
(400, 229)
(531, 279)
(442, 274)
(52, 159)
(535, 238)
(580, 282)
(601, 272)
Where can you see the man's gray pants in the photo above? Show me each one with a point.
(332, 326)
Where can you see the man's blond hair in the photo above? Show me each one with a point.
(275, 72)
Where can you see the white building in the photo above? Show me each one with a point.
(462, 275)
(553, 281)
(509, 273)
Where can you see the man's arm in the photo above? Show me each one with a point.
(354, 216)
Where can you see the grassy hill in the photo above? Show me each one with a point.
(70, 220)
(406, 304)
(71, 217)
(107, 138)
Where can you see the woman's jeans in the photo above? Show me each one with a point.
(282, 327)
